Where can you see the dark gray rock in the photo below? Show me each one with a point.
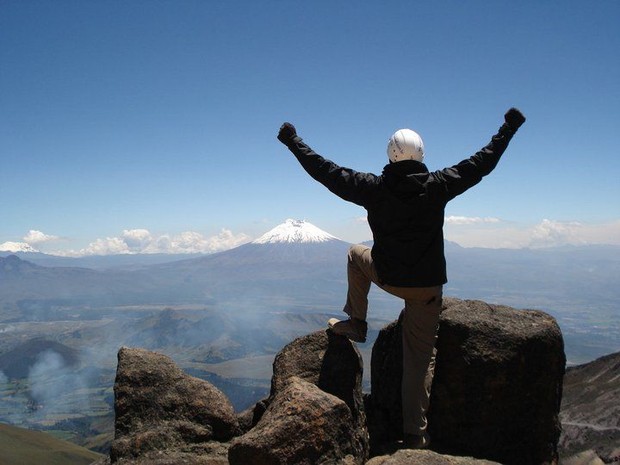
(250, 417)
(384, 405)
(302, 426)
(246, 420)
(498, 383)
(160, 408)
(334, 365)
(497, 386)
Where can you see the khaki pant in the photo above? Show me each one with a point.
(419, 325)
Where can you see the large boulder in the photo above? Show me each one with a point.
(334, 365)
(329, 361)
(497, 387)
(303, 425)
(160, 408)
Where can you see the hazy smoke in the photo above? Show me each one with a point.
(53, 385)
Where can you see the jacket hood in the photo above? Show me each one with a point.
(406, 177)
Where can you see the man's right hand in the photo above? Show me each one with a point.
(514, 118)
(287, 132)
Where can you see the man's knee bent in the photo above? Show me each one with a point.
(356, 252)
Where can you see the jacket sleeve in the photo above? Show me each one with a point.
(348, 184)
(460, 177)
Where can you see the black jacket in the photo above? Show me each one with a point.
(405, 206)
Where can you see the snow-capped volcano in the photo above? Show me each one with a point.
(295, 231)
(282, 261)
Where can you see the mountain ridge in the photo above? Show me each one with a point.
(27, 447)
(590, 413)
(314, 274)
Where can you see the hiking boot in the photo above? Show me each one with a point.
(352, 328)
(416, 441)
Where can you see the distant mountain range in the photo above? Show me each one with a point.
(294, 260)
(296, 264)
(99, 262)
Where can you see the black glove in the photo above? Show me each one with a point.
(514, 118)
(287, 132)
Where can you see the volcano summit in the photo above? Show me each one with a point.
(295, 231)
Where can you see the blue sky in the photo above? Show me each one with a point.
(151, 125)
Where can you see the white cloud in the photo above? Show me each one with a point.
(137, 239)
(16, 247)
(134, 241)
(107, 246)
(38, 237)
(33, 237)
(550, 233)
(547, 233)
(470, 220)
(227, 240)
(194, 242)
(491, 232)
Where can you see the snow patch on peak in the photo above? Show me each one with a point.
(295, 231)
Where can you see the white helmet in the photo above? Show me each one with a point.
(405, 144)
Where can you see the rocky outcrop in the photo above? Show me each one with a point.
(334, 365)
(331, 364)
(496, 396)
(497, 387)
(314, 413)
(303, 425)
(160, 408)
